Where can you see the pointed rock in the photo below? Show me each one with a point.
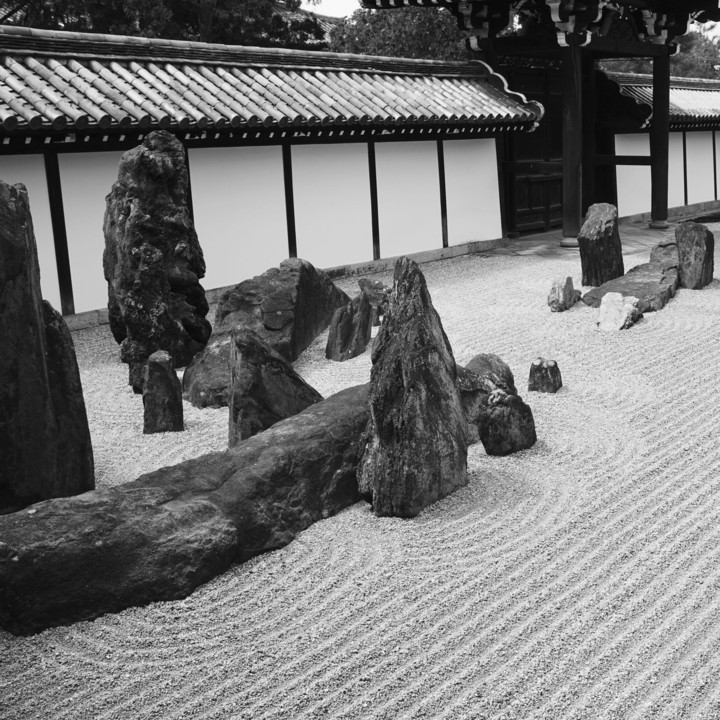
(416, 451)
(264, 387)
(45, 448)
(162, 395)
(350, 329)
(563, 295)
(600, 247)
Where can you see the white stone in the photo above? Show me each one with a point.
(617, 312)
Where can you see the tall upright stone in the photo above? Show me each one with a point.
(350, 329)
(600, 247)
(162, 395)
(45, 447)
(153, 262)
(696, 255)
(416, 451)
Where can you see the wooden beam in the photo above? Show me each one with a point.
(623, 160)
(660, 142)
(572, 128)
(374, 214)
(589, 114)
(289, 199)
(443, 192)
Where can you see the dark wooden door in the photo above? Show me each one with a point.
(533, 161)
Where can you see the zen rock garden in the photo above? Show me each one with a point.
(399, 441)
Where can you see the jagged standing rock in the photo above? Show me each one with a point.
(45, 447)
(618, 312)
(416, 439)
(563, 295)
(162, 395)
(696, 255)
(544, 376)
(379, 295)
(264, 387)
(152, 260)
(350, 329)
(600, 247)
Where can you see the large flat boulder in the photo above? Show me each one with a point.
(162, 535)
(416, 449)
(45, 448)
(152, 261)
(287, 306)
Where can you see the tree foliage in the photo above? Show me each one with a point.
(429, 33)
(698, 57)
(240, 22)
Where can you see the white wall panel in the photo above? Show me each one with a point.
(700, 167)
(633, 181)
(239, 207)
(472, 190)
(676, 171)
(333, 219)
(30, 171)
(86, 179)
(408, 197)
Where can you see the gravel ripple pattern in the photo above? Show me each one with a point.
(575, 580)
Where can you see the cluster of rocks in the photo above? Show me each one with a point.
(44, 434)
(623, 298)
(401, 442)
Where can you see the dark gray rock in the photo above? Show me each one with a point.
(264, 387)
(379, 295)
(350, 329)
(416, 438)
(544, 376)
(563, 295)
(497, 418)
(45, 448)
(162, 535)
(696, 255)
(152, 259)
(288, 307)
(600, 247)
(665, 253)
(495, 369)
(162, 395)
(507, 426)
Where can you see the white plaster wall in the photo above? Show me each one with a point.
(333, 218)
(676, 171)
(30, 171)
(239, 208)
(472, 190)
(633, 181)
(86, 179)
(700, 167)
(408, 197)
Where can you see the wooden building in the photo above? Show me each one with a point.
(339, 159)
(575, 34)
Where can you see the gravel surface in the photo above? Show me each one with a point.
(576, 580)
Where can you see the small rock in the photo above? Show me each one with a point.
(563, 295)
(379, 296)
(696, 251)
(495, 369)
(508, 424)
(162, 395)
(618, 312)
(544, 376)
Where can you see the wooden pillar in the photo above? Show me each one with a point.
(589, 125)
(572, 143)
(660, 141)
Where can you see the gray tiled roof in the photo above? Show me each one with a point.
(694, 102)
(62, 82)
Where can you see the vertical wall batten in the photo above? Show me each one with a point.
(57, 217)
(443, 191)
(289, 200)
(372, 169)
(685, 166)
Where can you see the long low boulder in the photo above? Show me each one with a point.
(163, 534)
